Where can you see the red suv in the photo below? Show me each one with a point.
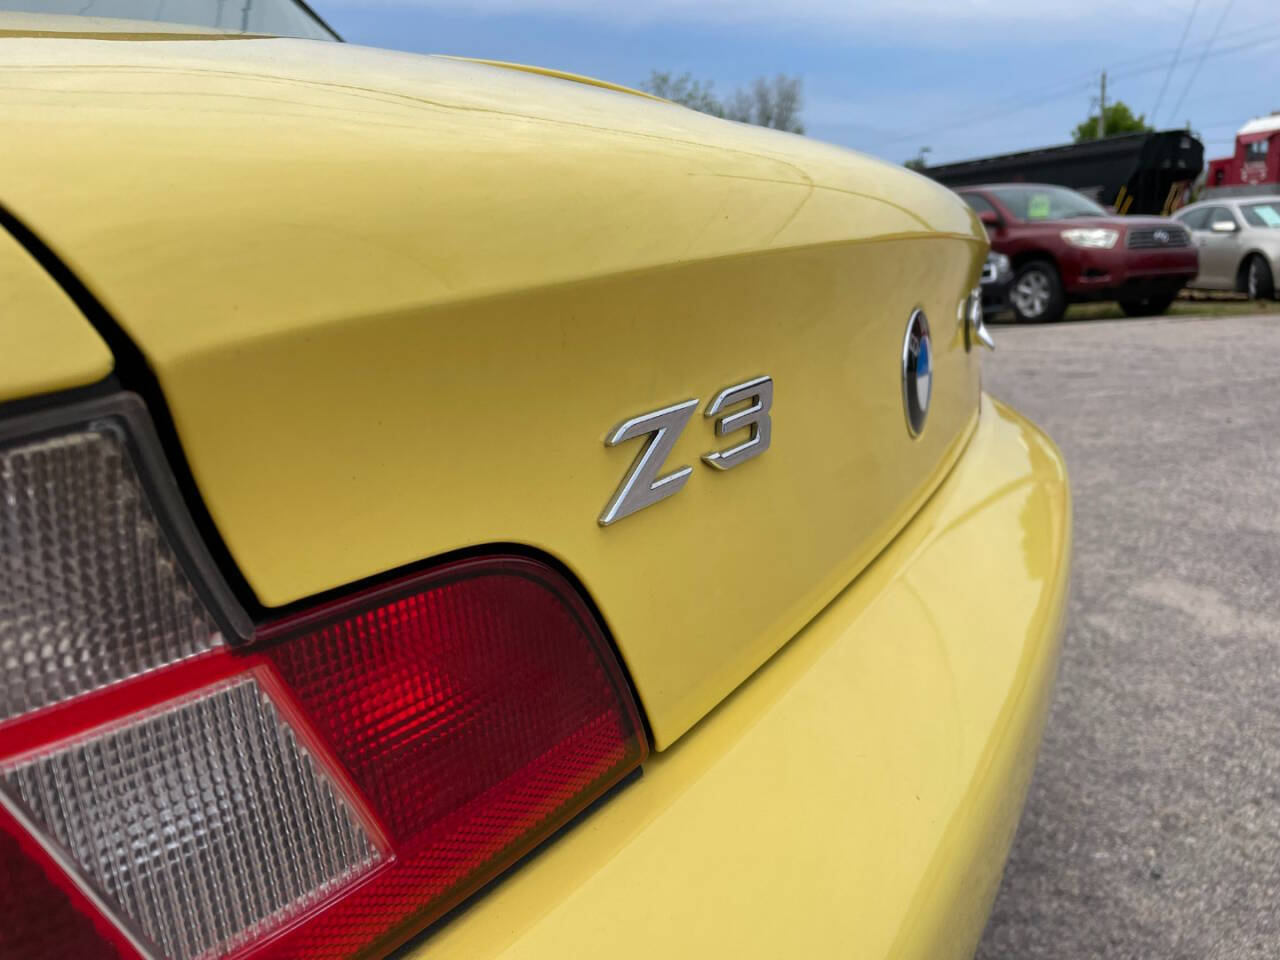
(1064, 248)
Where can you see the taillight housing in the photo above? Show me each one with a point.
(175, 782)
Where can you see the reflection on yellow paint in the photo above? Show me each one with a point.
(857, 796)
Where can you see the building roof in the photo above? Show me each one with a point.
(1262, 125)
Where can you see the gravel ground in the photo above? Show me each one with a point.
(1152, 829)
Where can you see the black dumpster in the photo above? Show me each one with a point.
(1134, 172)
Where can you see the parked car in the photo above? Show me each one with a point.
(1239, 244)
(1065, 249)
(407, 463)
(997, 277)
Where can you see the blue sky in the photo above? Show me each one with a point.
(965, 77)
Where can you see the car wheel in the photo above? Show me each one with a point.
(1036, 293)
(1258, 282)
(1147, 306)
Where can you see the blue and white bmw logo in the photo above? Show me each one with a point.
(917, 371)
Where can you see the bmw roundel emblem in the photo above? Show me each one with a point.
(917, 371)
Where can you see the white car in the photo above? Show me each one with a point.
(1239, 243)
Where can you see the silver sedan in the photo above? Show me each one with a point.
(1239, 243)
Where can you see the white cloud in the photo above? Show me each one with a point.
(964, 76)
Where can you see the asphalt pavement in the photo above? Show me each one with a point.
(1152, 828)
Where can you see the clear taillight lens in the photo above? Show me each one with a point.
(325, 790)
(92, 592)
(205, 820)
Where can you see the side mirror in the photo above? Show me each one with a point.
(990, 218)
(1223, 226)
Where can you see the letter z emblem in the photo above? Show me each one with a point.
(642, 487)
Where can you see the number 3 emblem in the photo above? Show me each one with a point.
(643, 487)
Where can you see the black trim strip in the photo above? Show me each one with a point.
(134, 373)
(126, 415)
(39, 402)
(319, 19)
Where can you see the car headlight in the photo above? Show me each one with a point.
(1098, 237)
(996, 268)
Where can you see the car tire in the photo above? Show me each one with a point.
(1147, 306)
(1259, 284)
(1036, 293)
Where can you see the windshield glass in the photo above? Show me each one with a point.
(1046, 203)
(1262, 214)
(278, 18)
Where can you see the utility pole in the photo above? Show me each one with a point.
(1102, 107)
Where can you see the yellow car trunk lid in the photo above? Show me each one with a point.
(396, 305)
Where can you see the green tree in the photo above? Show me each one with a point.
(775, 102)
(684, 90)
(1120, 119)
(919, 163)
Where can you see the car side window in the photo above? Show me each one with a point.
(1262, 214)
(1220, 215)
(979, 203)
(1196, 219)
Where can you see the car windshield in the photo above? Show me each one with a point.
(1262, 214)
(1046, 203)
(279, 18)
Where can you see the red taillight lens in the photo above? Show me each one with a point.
(477, 711)
(326, 791)
(43, 916)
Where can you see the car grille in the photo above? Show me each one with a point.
(1149, 237)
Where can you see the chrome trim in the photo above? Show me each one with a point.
(1157, 238)
(755, 417)
(917, 334)
(642, 487)
(976, 330)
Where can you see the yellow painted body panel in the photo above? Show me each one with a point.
(46, 344)
(857, 796)
(395, 303)
(560, 74)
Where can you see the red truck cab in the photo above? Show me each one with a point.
(1064, 249)
(1254, 167)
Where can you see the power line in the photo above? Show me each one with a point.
(1159, 59)
(1150, 63)
(1219, 52)
(1069, 88)
(1053, 91)
(1161, 56)
(1174, 63)
(1204, 56)
(1010, 107)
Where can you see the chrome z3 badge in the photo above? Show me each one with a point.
(643, 487)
